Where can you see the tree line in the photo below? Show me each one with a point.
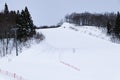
(17, 30)
(110, 21)
(91, 19)
(21, 21)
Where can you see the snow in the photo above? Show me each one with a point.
(3, 77)
(65, 49)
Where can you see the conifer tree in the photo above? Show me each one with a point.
(6, 11)
(25, 24)
(19, 26)
(117, 26)
(109, 28)
(29, 22)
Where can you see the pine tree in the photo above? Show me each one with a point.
(109, 28)
(29, 26)
(25, 24)
(6, 11)
(117, 26)
(19, 26)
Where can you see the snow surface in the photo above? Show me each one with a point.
(95, 57)
(3, 77)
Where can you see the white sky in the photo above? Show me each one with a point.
(48, 12)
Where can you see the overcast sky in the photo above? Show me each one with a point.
(48, 12)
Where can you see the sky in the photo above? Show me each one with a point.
(50, 12)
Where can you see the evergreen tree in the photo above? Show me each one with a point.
(29, 23)
(19, 26)
(25, 24)
(117, 26)
(6, 11)
(109, 28)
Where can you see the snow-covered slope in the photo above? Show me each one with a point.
(68, 54)
(89, 30)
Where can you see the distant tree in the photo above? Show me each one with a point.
(109, 28)
(25, 25)
(117, 26)
(19, 26)
(30, 26)
(6, 11)
(90, 19)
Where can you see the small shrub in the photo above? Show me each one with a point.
(39, 37)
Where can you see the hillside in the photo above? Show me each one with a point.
(68, 53)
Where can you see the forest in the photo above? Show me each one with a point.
(110, 21)
(16, 30)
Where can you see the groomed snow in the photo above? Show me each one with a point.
(95, 57)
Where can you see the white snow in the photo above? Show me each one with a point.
(95, 57)
(3, 77)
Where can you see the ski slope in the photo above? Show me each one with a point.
(3, 77)
(82, 53)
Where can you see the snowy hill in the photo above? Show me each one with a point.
(89, 30)
(67, 53)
